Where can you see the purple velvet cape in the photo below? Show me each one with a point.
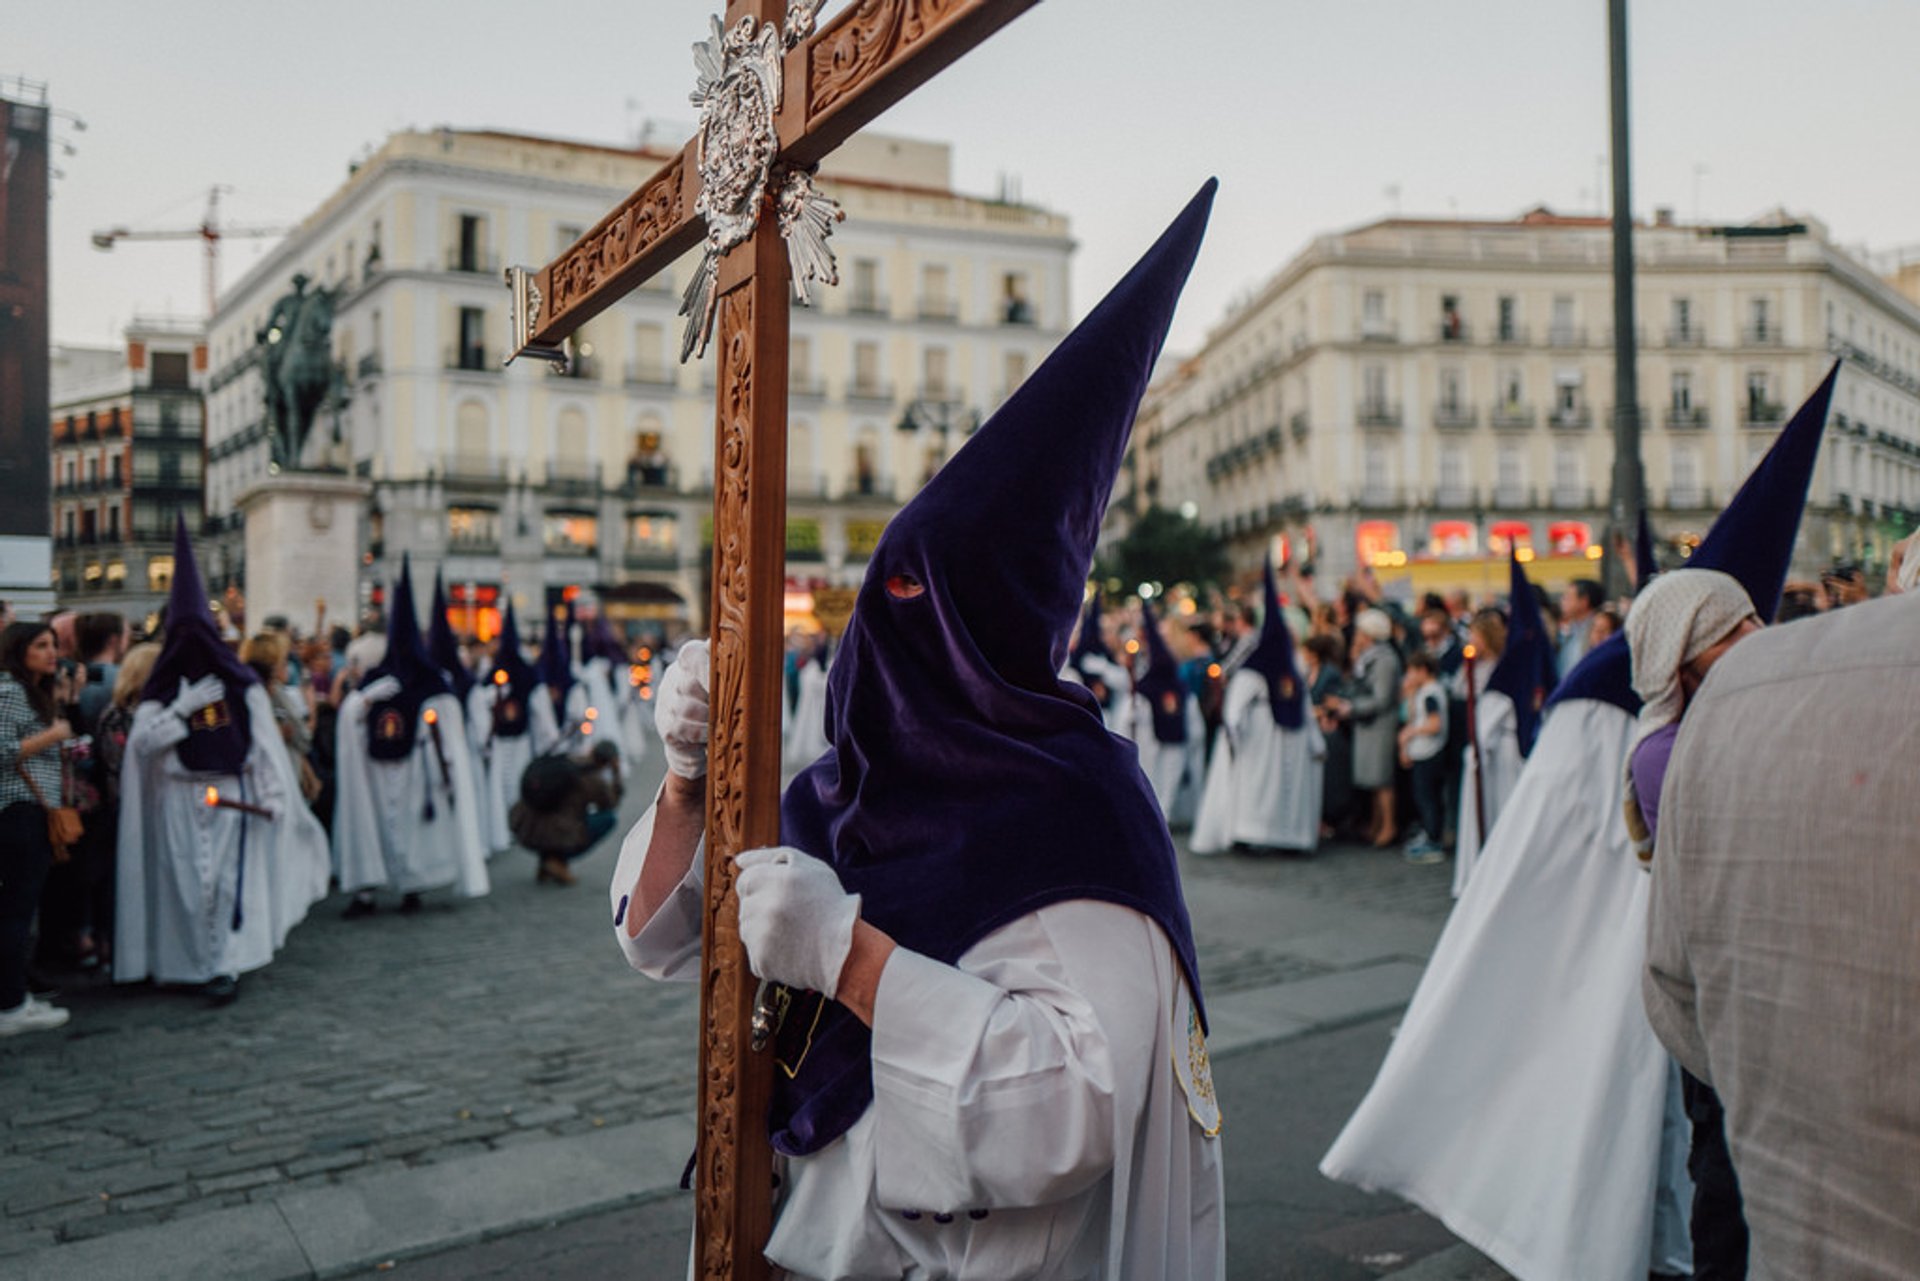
(218, 738)
(967, 785)
(1752, 540)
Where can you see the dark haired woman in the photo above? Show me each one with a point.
(31, 732)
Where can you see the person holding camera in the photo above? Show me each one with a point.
(31, 733)
(567, 805)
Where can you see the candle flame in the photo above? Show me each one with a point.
(1469, 651)
(593, 713)
(586, 727)
(213, 796)
(432, 717)
(499, 676)
(1213, 671)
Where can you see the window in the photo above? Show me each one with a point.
(571, 533)
(471, 251)
(113, 526)
(934, 373)
(116, 575)
(1378, 463)
(159, 573)
(1568, 467)
(1760, 314)
(93, 471)
(170, 370)
(1015, 309)
(1686, 469)
(1682, 393)
(564, 234)
(1453, 469)
(473, 529)
(1512, 388)
(935, 304)
(1013, 371)
(1683, 319)
(1451, 328)
(1373, 313)
(1509, 467)
(1563, 333)
(800, 363)
(1507, 318)
(1373, 389)
(1760, 406)
(866, 286)
(653, 532)
(1450, 393)
(866, 368)
(648, 366)
(1566, 393)
(472, 353)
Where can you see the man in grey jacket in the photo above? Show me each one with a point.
(1782, 957)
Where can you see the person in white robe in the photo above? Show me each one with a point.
(510, 720)
(807, 732)
(1090, 663)
(453, 664)
(1004, 1072)
(1490, 766)
(408, 813)
(1264, 783)
(218, 856)
(1165, 724)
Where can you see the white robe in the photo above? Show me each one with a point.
(179, 861)
(1263, 785)
(1522, 1100)
(597, 686)
(1038, 1081)
(807, 733)
(1174, 769)
(504, 759)
(1496, 771)
(1114, 676)
(381, 833)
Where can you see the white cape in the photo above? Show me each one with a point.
(1031, 1113)
(1263, 785)
(1495, 770)
(807, 732)
(502, 759)
(180, 863)
(1523, 1098)
(382, 832)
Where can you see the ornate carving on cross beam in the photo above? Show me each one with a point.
(871, 35)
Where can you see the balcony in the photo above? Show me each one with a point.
(1381, 498)
(573, 477)
(651, 478)
(1570, 418)
(1764, 413)
(1455, 417)
(477, 263)
(567, 547)
(942, 309)
(1512, 416)
(1765, 335)
(368, 366)
(1510, 336)
(470, 359)
(1566, 336)
(1378, 331)
(1455, 498)
(650, 373)
(475, 469)
(1687, 336)
(1512, 498)
(1686, 417)
(1689, 498)
(476, 544)
(1379, 414)
(804, 383)
(1572, 498)
(646, 557)
(1017, 311)
(1454, 330)
(870, 389)
(868, 486)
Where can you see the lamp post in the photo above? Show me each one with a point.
(1629, 478)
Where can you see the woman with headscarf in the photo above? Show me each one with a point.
(1372, 709)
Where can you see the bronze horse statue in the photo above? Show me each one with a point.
(297, 361)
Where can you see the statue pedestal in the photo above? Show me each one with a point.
(303, 546)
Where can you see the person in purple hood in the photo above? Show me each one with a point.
(994, 1062)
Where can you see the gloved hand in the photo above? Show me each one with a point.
(379, 691)
(680, 711)
(198, 696)
(795, 919)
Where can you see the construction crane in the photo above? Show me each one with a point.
(209, 231)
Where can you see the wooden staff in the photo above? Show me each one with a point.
(1473, 743)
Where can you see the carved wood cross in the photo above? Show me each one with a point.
(776, 97)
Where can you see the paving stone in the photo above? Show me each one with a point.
(238, 1182)
(323, 1162)
(127, 1182)
(152, 1200)
(233, 1162)
(536, 1118)
(48, 1196)
(57, 1112)
(399, 1090)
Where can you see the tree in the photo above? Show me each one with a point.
(1166, 547)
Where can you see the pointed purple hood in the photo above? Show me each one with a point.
(1524, 671)
(219, 737)
(509, 702)
(392, 724)
(1090, 644)
(1752, 540)
(966, 784)
(556, 658)
(444, 647)
(1160, 684)
(1273, 658)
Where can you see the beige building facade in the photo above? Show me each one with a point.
(524, 483)
(1418, 392)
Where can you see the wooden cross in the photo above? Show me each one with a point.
(776, 97)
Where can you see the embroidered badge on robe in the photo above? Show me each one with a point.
(389, 726)
(1194, 1071)
(211, 717)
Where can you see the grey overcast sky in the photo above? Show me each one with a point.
(1112, 111)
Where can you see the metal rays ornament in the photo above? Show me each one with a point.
(737, 89)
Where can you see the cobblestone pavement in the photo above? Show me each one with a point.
(395, 1041)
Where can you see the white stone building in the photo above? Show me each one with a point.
(532, 482)
(1418, 393)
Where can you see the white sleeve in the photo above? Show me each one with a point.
(667, 944)
(155, 729)
(995, 1082)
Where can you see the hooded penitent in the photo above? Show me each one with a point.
(1160, 684)
(511, 697)
(392, 725)
(1524, 672)
(1273, 658)
(1090, 644)
(219, 736)
(598, 641)
(444, 648)
(556, 659)
(1752, 540)
(967, 785)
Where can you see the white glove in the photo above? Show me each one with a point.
(201, 694)
(680, 711)
(795, 919)
(379, 691)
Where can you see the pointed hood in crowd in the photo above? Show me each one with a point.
(1160, 684)
(967, 784)
(443, 646)
(393, 723)
(1752, 540)
(1525, 669)
(1274, 659)
(511, 696)
(556, 657)
(218, 737)
(1090, 643)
